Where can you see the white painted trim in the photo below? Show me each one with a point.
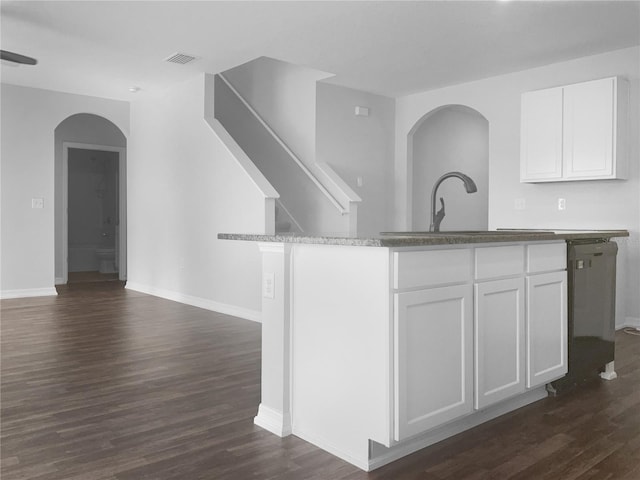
(412, 445)
(65, 213)
(122, 204)
(338, 183)
(122, 215)
(233, 310)
(28, 292)
(59, 281)
(633, 322)
(361, 463)
(275, 136)
(273, 421)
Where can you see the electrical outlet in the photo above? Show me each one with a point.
(562, 204)
(520, 204)
(268, 285)
(37, 203)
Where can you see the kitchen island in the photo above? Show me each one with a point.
(374, 347)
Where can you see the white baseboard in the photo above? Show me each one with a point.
(28, 292)
(409, 446)
(633, 322)
(60, 281)
(379, 455)
(273, 421)
(245, 313)
(362, 461)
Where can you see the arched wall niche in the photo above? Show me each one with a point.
(89, 129)
(449, 138)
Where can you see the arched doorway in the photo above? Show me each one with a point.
(450, 138)
(90, 204)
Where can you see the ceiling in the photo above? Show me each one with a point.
(392, 48)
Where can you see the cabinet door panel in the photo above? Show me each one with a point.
(433, 360)
(546, 328)
(541, 135)
(588, 123)
(499, 341)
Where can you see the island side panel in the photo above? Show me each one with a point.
(341, 348)
(274, 412)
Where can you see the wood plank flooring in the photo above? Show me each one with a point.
(104, 383)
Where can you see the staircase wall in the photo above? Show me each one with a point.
(311, 208)
(284, 95)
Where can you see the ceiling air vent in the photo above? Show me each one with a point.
(180, 58)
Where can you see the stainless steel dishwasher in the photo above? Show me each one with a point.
(591, 274)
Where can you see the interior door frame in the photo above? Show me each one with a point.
(122, 204)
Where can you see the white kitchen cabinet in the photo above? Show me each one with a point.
(541, 135)
(499, 370)
(575, 132)
(546, 327)
(433, 358)
(379, 351)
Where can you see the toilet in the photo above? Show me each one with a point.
(106, 260)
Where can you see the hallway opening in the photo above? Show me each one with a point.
(90, 211)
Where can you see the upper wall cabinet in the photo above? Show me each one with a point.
(575, 132)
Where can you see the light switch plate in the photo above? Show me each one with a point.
(362, 111)
(37, 203)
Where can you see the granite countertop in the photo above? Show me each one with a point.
(412, 239)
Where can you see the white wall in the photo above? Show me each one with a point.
(285, 97)
(454, 138)
(28, 120)
(593, 205)
(357, 146)
(80, 128)
(184, 188)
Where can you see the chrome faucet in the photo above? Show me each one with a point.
(436, 218)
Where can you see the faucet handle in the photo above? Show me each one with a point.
(438, 217)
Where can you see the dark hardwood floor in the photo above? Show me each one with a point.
(104, 383)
